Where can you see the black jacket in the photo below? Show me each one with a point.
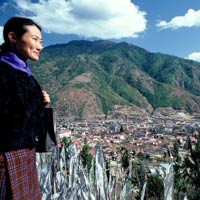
(21, 109)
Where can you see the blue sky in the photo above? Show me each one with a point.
(165, 26)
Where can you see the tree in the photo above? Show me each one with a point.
(188, 172)
(134, 173)
(125, 158)
(141, 174)
(66, 142)
(155, 187)
(86, 157)
(175, 150)
(193, 164)
(188, 144)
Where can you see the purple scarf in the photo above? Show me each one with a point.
(15, 62)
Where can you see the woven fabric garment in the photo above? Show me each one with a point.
(18, 176)
(21, 109)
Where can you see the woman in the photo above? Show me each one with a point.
(21, 110)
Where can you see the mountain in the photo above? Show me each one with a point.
(108, 79)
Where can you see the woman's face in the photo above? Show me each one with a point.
(29, 45)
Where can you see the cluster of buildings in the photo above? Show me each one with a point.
(149, 138)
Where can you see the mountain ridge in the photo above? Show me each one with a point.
(96, 78)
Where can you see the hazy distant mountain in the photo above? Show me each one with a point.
(88, 79)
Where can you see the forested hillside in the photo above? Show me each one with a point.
(107, 79)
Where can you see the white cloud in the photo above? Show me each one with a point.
(1, 35)
(194, 56)
(104, 19)
(190, 19)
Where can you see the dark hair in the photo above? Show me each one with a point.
(16, 25)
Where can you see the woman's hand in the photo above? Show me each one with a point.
(46, 97)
